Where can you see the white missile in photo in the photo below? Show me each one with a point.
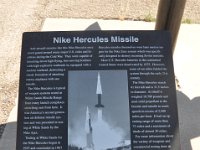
(88, 131)
(99, 105)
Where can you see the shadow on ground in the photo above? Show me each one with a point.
(2, 126)
(189, 119)
(8, 139)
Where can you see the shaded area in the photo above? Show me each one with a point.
(2, 126)
(189, 119)
(94, 26)
(8, 140)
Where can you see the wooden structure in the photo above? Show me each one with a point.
(169, 17)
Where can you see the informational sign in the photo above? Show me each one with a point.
(97, 90)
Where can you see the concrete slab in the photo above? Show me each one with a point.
(186, 62)
(54, 24)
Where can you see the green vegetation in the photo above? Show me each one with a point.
(187, 21)
(149, 18)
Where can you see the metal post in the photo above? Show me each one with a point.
(169, 17)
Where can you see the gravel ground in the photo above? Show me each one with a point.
(18, 16)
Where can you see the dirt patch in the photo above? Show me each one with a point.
(17, 16)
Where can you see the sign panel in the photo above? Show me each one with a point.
(97, 90)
